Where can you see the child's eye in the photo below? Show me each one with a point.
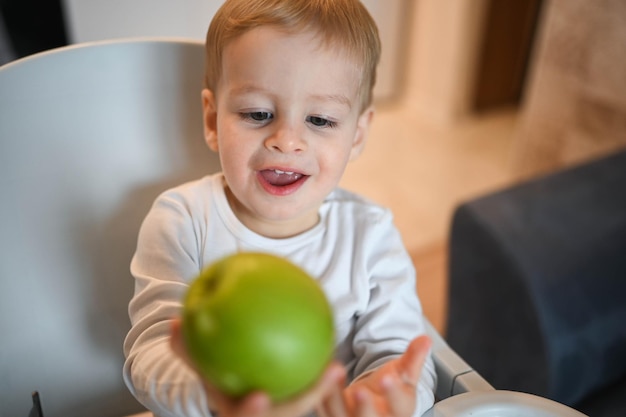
(257, 116)
(320, 121)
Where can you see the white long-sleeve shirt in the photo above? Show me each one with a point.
(354, 251)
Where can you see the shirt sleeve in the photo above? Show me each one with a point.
(166, 257)
(393, 316)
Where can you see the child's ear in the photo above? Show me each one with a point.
(362, 130)
(209, 118)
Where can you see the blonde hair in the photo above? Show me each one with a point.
(339, 23)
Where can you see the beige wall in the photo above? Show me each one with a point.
(443, 51)
(575, 104)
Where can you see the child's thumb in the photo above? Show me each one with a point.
(177, 344)
(412, 361)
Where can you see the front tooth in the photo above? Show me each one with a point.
(289, 172)
(278, 171)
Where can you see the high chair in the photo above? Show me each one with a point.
(91, 134)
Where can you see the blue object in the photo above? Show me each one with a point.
(537, 288)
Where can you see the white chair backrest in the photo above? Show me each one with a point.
(89, 135)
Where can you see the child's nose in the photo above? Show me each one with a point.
(286, 139)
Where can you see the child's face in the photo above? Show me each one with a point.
(285, 121)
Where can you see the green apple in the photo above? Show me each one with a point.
(254, 321)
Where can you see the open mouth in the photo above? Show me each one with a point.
(279, 178)
(282, 182)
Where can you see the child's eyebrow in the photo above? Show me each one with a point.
(249, 89)
(339, 98)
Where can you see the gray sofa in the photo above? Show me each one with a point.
(537, 286)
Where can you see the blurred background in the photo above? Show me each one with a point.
(473, 95)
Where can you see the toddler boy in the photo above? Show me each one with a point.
(287, 104)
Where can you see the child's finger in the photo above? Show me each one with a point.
(254, 405)
(305, 403)
(334, 405)
(400, 396)
(364, 404)
(412, 361)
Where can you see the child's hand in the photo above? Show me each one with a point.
(258, 404)
(389, 391)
